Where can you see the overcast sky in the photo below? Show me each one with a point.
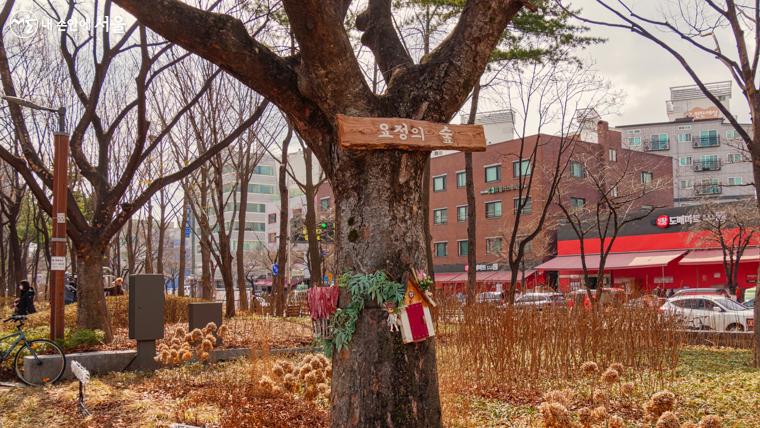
(644, 70)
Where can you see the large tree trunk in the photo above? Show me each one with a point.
(378, 190)
(90, 289)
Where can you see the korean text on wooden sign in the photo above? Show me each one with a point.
(378, 133)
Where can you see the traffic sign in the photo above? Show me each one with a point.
(275, 269)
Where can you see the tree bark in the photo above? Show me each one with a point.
(245, 178)
(282, 250)
(90, 293)
(148, 229)
(162, 225)
(471, 208)
(182, 250)
(310, 221)
(378, 189)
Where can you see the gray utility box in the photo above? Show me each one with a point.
(202, 313)
(146, 307)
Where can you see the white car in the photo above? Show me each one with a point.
(711, 312)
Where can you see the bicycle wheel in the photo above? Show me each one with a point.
(39, 362)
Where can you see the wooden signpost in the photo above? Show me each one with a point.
(387, 133)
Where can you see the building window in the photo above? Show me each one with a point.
(441, 249)
(633, 131)
(324, 204)
(730, 134)
(462, 247)
(735, 158)
(735, 181)
(527, 206)
(493, 209)
(613, 155)
(684, 161)
(462, 213)
(685, 184)
(614, 192)
(646, 177)
(493, 246)
(520, 168)
(272, 218)
(440, 216)
(634, 141)
(272, 238)
(263, 170)
(577, 202)
(461, 179)
(257, 208)
(252, 226)
(266, 189)
(493, 173)
(439, 183)
(576, 169)
(684, 138)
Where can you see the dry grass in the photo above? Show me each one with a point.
(530, 351)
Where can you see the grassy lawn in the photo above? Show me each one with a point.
(707, 381)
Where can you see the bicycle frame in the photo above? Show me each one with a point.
(21, 338)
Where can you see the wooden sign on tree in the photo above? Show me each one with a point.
(378, 133)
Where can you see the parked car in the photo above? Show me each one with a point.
(750, 303)
(540, 300)
(489, 297)
(609, 296)
(718, 291)
(646, 301)
(711, 312)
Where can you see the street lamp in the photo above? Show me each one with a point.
(60, 192)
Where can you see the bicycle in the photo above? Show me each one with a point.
(33, 353)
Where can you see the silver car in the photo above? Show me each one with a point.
(711, 312)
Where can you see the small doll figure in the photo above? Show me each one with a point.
(393, 320)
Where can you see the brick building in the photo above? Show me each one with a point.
(496, 175)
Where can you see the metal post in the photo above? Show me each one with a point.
(58, 253)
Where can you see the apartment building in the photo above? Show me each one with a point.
(709, 158)
(496, 176)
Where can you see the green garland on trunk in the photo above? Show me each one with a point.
(375, 287)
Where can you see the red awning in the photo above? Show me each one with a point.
(614, 261)
(492, 276)
(706, 257)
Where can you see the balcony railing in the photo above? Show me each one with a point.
(702, 142)
(656, 146)
(708, 189)
(708, 165)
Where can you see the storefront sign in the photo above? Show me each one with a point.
(752, 278)
(663, 280)
(487, 267)
(499, 189)
(704, 113)
(665, 221)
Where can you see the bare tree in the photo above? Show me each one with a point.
(732, 228)
(375, 190)
(624, 191)
(109, 140)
